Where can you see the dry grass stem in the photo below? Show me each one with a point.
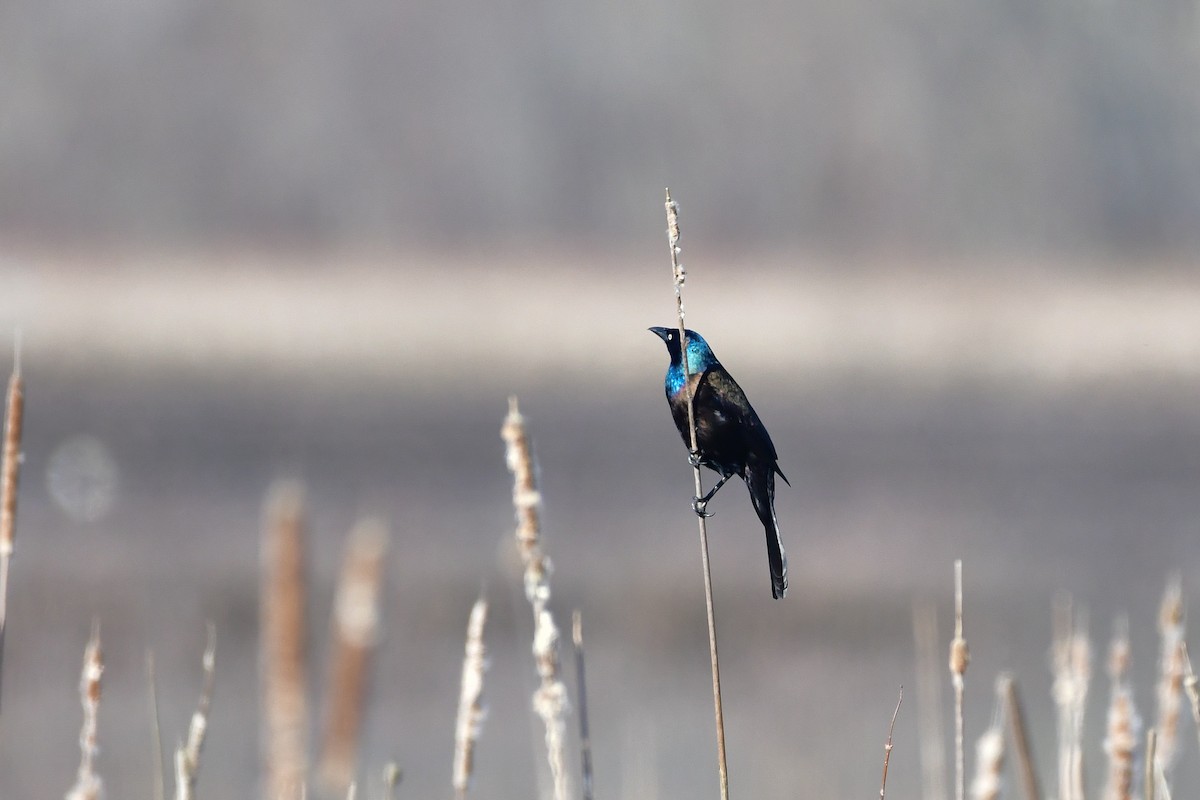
(989, 750)
(1072, 677)
(156, 748)
(1191, 685)
(470, 706)
(88, 785)
(187, 755)
(1171, 673)
(550, 699)
(887, 748)
(1121, 739)
(282, 646)
(1151, 759)
(1030, 785)
(585, 736)
(678, 278)
(356, 615)
(960, 657)
(929, 702)
(10, 472)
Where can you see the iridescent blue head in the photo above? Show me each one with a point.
(699, 356)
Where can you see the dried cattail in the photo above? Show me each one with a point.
(1124, 725)
(10, 471)
(283, 630)
(1072, 677)
(1171, 669)
(88, 785)
(550, 699)
(355, 634)
(187, 755)
(960, 657)
(471, 712)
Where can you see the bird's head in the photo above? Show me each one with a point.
(700, 355)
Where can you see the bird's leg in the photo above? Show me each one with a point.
(699, 504)
(694, 457)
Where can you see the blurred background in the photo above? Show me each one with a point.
(948, 250)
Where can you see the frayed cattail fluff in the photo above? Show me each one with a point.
(1170, 683)
(550, 699)
(989, 761)
(471, 712)
(1124, 725)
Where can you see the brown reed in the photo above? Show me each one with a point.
(88, 785)
(470, 700)
(1030, 785)
(10, 472)
(678, 278)
(187, 754)
(356, 615)
(550, 698)
(282, 644)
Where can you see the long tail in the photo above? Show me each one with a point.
(761, 482)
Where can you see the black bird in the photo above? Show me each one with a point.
(730, 438)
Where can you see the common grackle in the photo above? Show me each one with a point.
(730, 438)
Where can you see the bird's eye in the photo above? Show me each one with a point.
(670, 337)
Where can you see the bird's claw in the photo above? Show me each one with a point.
(694, 458)
(700, 506)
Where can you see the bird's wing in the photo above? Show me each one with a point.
(718, 393)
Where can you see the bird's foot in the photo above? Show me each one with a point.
(700, 506)
(694, 458)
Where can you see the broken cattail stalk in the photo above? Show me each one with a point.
(10, 472)
(187, 755)
(470, 704)
(550, 698)
(88, 785)
(355, 635)
(1016, 723)
(282, 644)
(960, 657)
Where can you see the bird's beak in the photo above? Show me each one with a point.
(661, 332)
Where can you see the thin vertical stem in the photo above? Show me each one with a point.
(887, 748)
(1016, 721)
(960, 657)
(10, 471)
(585, 736)
(160, 791)
(678, 277)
